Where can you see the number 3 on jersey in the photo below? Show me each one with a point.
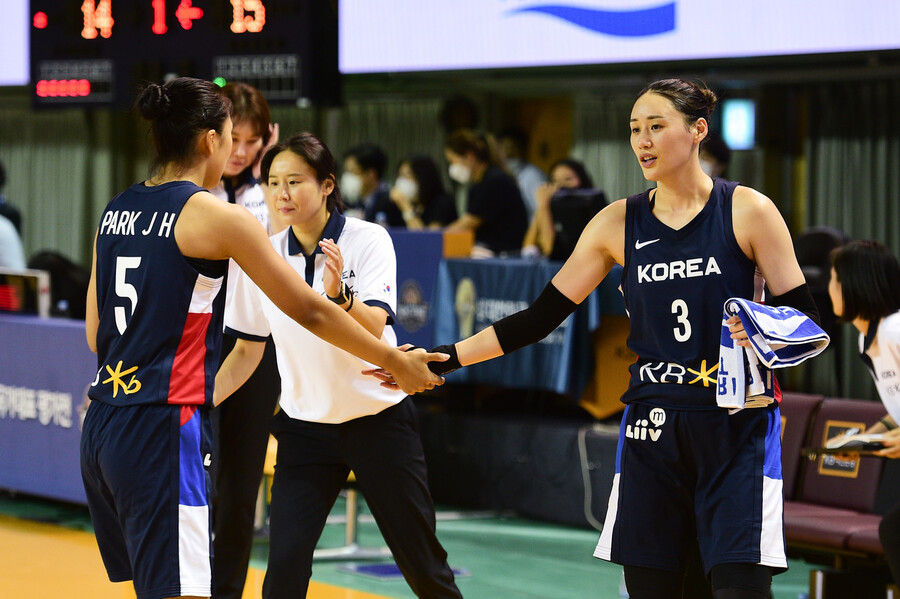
(683, 330)
(125, 290)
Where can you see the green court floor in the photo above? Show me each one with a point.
(509, 558)
(505, 556)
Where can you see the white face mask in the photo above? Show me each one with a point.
(351, 186)
(407, 187)
(460, 173)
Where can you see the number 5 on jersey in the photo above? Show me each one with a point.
(125, 290)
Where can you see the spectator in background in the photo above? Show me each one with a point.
(6, 208)
(459, 112)
(362, 184)
(241, 425)
(541, 237)
(714, 156)
(12, 254)
(514, 151)
(495, 212)
(419, 194)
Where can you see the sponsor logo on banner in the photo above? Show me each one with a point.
(464, 305)
(412, 309)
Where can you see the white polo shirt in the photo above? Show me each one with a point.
(320, 382)
(251, 196)
(883, 353)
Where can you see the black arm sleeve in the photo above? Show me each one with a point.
(534, 322)
(442, 368)
(800, 298)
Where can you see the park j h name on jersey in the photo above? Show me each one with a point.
(125, 222)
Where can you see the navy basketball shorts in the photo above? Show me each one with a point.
(696, 474)
(145, 472)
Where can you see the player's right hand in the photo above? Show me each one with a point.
(413, 374)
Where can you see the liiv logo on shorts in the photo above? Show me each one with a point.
(641, 430)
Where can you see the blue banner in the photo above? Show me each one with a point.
(418, 256)
(45, 369)
(472, 294)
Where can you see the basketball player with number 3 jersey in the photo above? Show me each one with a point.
(687, 472)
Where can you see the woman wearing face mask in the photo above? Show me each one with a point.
(333, 419)
(541, 237)
(495, 212)
(419, 194)
(364, 169)
(241, 425)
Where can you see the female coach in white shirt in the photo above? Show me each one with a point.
(333, 419)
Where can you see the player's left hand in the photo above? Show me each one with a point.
(737, 331)
(273, 139)
(334, 267)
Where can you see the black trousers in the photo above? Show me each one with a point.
(385, 453)
(241, 426)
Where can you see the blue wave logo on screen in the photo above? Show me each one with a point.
(622, 23)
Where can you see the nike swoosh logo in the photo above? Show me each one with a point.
(639, 244)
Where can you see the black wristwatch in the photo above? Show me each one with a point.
(343, 297)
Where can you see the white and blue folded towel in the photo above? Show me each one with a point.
(780, 337)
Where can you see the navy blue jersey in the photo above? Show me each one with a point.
(675, 284)
(160, 313)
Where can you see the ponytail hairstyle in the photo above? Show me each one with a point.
(317, 155)
(179, 111)
(692, 100)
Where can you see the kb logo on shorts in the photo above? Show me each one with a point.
(641, 429)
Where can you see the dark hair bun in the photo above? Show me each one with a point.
(711, 98)
(154, 102)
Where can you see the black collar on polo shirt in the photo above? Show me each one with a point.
(333, 229)
(245, 178)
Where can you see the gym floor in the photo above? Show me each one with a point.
(47, 550)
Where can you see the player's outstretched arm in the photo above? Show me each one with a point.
(599, 248)
(212, 229)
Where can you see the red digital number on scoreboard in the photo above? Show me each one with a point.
(248, 16)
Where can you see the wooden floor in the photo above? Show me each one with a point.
(44, 561)
(47, 551)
